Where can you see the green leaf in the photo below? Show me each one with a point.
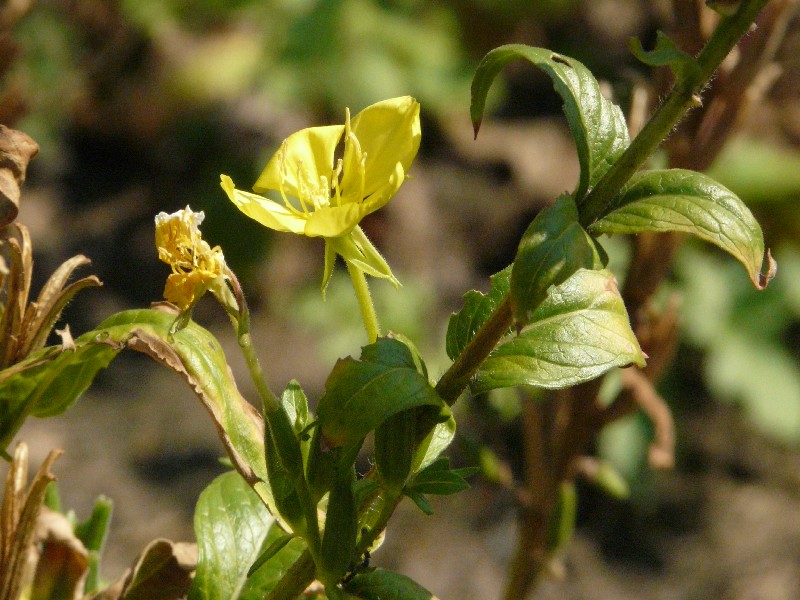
(464, 324)
(295, 404)
(665, 54)
(50, 380)
(231, 524)
(386, 585)
(554, 246)
(438, 478)
(578, 333)
(263, 578)
(420, 500)
(362, 394)
(434, 443)
(597, 125)
(690, 202)
(47, 383)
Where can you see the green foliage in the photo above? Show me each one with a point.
(477, 308)
(361, 394)
(232, 525)
(48, 382)
(380, 584)
(689, 202)
(666, 54)
(597, 124)
(578, 333)
(553, 248)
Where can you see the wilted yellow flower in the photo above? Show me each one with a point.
(196, 267)
(319, 195)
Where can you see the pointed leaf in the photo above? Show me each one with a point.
(386, 585)
(578, 333)
(51, 380)
(554, 246)
(690, 202)
(597, 124)
(464, 324)
(665, 54)
(361, 394)
(296, 405)
(47, 383)
(438, 478)
(231, 524)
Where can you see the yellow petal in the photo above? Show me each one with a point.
(389, 133)
(302, 159)
(268, 213)
(335, 221)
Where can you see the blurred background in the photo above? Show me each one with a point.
(139, 105)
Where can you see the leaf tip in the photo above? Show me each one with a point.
(476, 127)
(764, 277)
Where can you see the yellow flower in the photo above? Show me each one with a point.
(196, 267)
(319, 195)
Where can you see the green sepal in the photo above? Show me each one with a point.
(395, 441)
(597, 124)
(278, 544)
(554, 246)
(282, 480)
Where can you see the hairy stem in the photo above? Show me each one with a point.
(361, 288)
(457, 377)
(684, 95)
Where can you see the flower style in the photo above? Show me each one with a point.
(320, 195)
(196, 267)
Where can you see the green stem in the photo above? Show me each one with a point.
(274, 415)
(361, 288)
(387, 510)
(684, 95)
(457, 377)
(296, 579)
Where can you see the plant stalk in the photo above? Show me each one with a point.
(457, 377)
(368, 314)
(684, 95)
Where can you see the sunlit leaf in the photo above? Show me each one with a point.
(361, 394)
(597, 125)
(554, 246)
(231, 524)
(578, 333)
(690, 202)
